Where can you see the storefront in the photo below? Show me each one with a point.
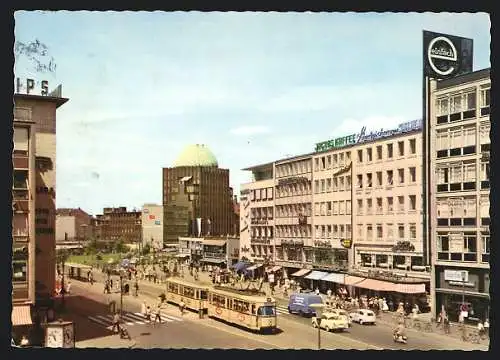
(22, 323)
(463, 289)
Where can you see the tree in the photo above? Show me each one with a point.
(37, 53)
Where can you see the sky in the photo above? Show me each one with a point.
(254, 87)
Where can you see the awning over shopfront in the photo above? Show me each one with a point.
(214, 261)
(212, 242)
(352, 280)
(21, 315)
(253, 267)
(410, 288)
(274, 268)
(335, 278)
(316, 275)
(376, 285)
(301, 272)
(181, 255)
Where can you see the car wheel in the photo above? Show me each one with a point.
(327, 329)
(315, 324)
(360, 322)
(301, 313)
(289, 311)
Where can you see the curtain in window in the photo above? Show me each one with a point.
(469, 172)
(442, 107)
(484, 202)
(484, 133)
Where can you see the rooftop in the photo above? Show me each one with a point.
(196, 155)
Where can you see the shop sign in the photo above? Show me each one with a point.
(28, 85)
(346, 243)
(363, 136)
(456, 276)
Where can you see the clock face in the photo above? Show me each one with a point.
(54, 337)
(68, 336)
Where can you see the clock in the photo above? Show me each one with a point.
(54, 337)
(69, 340)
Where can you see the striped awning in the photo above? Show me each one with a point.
(410, 288)
(335, 278)
(352, 280)
(376, 285)
(21, 315)
(274, 268)
(301, 272)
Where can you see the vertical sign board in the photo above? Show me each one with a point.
(444, 57)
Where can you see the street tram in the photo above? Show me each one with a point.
(252, 311)
(195, 296)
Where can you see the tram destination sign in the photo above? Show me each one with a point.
(363, 136)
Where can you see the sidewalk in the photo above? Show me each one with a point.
(110, 342)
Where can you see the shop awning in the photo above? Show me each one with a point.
(376, 285)
(214, 242)
(316, 275)
(253, 267)
(21, 315)
(352, 280)
(335, 278)
(214, 261)
(301, 272)
(181, 255)
(410, 288)
(274, 268)
(240, 265)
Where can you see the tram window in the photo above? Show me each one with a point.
(266, 311)
(173, 288)
(219, 300)
(253, 308)
(189, 292)
(203, 295)
(241, 306)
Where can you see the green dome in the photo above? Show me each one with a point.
(196, 155)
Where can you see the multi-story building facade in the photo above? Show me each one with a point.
(257, 214)
(207, 187)
(177, 215)
(117, 224)
(34, 211)
(72, 225)
(152, 225)
(459, 228)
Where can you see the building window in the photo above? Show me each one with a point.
(329, 162)
(369, 232)
(413, 202)
(442, 106)
(348, 207)
(401, 176)
(470, 246)
(341, 184)
(328, 185)
(316, 186)
(401, 203)
(323, 185)
(369, 154)
(390, 231)
(390, 175)
(360, 231)
(341, 159)
(484, 133)
(360, 156)
(380, 232)
(413, 231)
(341, 207)
(442, 142)
(369, 180)
(390, 205)
(335, 184)
(379, 206)
(389, 151)
(456, 104)
(316, 164)
(401, 148)
(335, 162)
(485, 100)
(360, 207)
(360, 182)
(485, 239)
(347, 156)
(443, 242)
(20, 263)
(484, 204)
(369, 207)
(335, 208)
(413, 174)
(348, 182)
(379, 178)
(401, 231)
(413, 146)
(379, 152)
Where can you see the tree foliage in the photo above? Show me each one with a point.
(37, 53)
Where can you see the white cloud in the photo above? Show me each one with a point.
(250, 130)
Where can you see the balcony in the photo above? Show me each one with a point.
(263, 241)
(21, 205)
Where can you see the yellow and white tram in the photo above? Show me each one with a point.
(254, 312)
(195, 296)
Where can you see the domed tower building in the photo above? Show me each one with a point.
(200, 191)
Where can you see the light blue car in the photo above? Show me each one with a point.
(301, 304)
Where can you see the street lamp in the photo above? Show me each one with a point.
(318, 308)
(121, 293)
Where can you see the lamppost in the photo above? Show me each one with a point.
(121, 293)
(62, 257)
(318, 308)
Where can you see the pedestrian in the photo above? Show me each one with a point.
(116, 322)
(158, 313)
(317, 291)
(68, 287)
(385, 307)
(136, 288)
(182, 306)
(486, 326)
(480, 329)
(111, 283)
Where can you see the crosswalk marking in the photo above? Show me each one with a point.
(281, 310)
(131, 319)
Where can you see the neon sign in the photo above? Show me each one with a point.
(364, 137)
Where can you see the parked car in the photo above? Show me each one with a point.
(301, 303)
(342, 313)
(331, 321)
(363, 316)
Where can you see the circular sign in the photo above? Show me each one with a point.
(241, 317)
(442, 55)
(463, 307)
(218, 310)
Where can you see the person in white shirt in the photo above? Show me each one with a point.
(480, 328)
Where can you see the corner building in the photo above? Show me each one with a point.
(459, 229)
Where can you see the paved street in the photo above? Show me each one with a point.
(193, 332)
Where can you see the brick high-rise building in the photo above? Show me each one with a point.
(117, 224)
(207, 187)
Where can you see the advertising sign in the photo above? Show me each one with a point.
(346, 243)
(456, 275)
(446, 56)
